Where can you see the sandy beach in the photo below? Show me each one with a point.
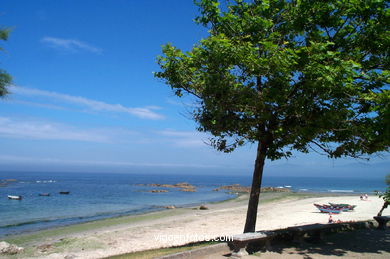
(180, 226)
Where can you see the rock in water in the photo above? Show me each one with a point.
(156, 191)
(184, 187)
(10, 249)
(203, 207)
(188, 190)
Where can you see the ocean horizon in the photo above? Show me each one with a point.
(94, 196)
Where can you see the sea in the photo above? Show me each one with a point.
(94, 196)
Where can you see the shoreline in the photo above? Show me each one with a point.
(145, 212)
(126, 234)
(101, 217)
(117, 219)
(23, 238)
(159, 212)
(110, 217)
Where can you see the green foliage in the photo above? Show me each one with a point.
(387, 179)
(386, 194)
(5, 78)
(292, 75)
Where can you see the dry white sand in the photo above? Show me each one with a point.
(220, 220)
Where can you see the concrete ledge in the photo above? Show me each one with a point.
(222, 248)
(240, 242)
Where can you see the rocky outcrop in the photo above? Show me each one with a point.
(5, 182)
(275, 189)
(188, 190)
(183, 187)
(234, 188)
(245, 189)
(176, 185)
(158, 191)
(203, 207)
(9, 180)
(9, 249)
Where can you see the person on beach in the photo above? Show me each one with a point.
(330, 220)
(366, 196)
(361, 197)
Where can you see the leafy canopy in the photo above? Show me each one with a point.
(292, 75)
(386, 194)
(5, 78)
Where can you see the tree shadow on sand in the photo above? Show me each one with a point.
(367, 241)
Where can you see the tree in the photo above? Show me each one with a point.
(5, 78)
(288, 75)
(385, 196)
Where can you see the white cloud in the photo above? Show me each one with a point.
(185, 138)
(175, 133)
(31, 129)
(70, 45)
(140, 112)
(36, 104)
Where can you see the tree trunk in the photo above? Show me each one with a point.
(251, 215)
(383, 207)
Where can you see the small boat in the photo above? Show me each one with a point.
(14, 197)
(44, 194)
(324, 206)
(329, 210)
(343, 206)
(64, 192)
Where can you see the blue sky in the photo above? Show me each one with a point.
(85, 98)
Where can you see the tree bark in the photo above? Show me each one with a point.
(383, 207)
(251, 215)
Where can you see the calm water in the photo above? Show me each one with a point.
(97, 196)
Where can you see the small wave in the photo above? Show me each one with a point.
(26, 223)
(303, 189)
(63, 221)
(287, 186)
(340, 190)
(46, 181)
